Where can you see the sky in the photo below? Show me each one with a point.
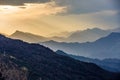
(45, 17)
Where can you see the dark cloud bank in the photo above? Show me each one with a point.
(74, 6)
(20, 2)
(89, 6)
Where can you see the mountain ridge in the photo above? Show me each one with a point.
(107, 64)
(43, 63)
(76, 36)
(108, 46)
(28, 37)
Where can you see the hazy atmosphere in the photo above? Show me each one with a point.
(45, 17)
(59, 39)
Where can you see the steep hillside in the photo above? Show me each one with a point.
(10, 70)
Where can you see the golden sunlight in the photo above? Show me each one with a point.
(8, 9)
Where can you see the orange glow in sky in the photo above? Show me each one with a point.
(48, 18)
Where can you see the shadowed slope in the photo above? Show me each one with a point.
(45, 64)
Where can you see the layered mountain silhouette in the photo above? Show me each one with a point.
(106, 47)
(116, 29)
(77, 36)
(43, 63)
(87, 35)
(28, 37)
(107, 64)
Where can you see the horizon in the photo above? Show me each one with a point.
(55, 33)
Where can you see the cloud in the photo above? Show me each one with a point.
(49, 8)
(73, 6)
(88, 6)
(117, 4)
(30, 10)
(41, 16)
(105, 19)
(28, 18)
(21, 2)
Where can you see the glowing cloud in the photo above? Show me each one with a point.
(26, 15)
(32, 9)
(42, 16)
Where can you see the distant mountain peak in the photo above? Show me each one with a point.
(21, 32)
(51, 41)
(87, 35)
(28, 37)
(17, 31)
(108, 46)
(94, 29)
(115, 34)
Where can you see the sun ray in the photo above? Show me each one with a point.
(8, 8)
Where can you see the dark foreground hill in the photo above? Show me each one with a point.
(44, 64)
(10, 70)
